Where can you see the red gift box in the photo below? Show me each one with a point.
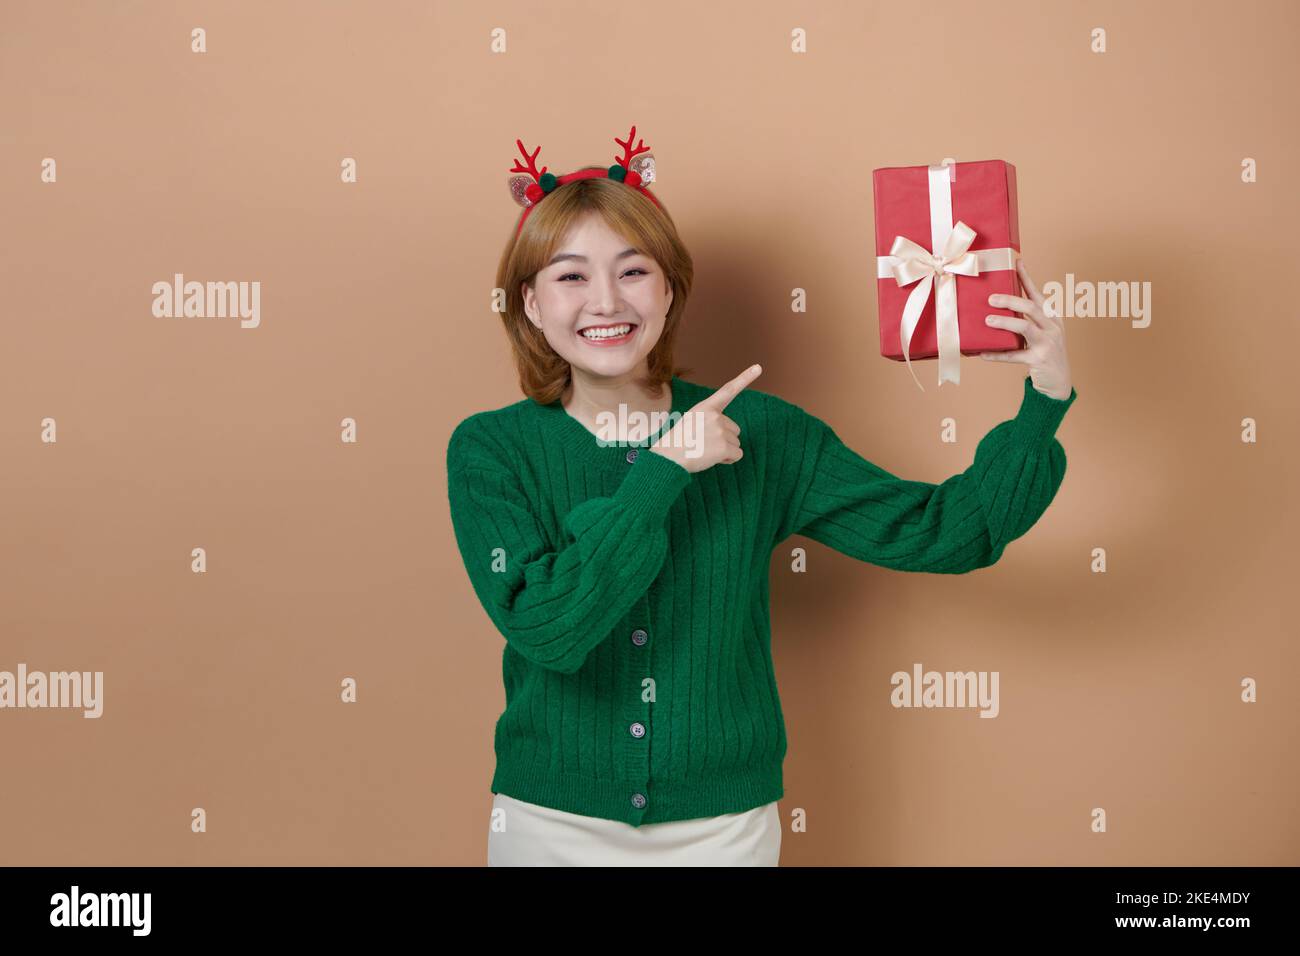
(951, 233)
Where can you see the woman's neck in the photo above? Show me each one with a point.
(586, 401)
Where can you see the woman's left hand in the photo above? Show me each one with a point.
(1044, 334)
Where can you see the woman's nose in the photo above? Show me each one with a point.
(604, 294)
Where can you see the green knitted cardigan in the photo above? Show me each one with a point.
(633, 595)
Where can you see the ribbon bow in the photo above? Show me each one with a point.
(938, 272)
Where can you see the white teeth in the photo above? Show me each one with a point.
(611, 333)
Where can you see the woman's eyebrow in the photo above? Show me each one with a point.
(562, 256)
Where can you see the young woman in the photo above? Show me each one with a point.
(624, 558)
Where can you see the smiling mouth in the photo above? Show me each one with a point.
(614, 334)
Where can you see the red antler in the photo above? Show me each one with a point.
(628, 151)
(531, 168)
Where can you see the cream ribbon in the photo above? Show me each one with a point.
(909, 262)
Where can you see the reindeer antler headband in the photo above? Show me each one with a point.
(636, 168)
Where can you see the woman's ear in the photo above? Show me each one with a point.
(530, 303)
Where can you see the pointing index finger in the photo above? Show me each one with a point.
(723, 396)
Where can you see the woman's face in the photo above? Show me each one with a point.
(595, 281)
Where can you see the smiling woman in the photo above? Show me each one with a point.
(629, 578)
(592, 232)
(595, 254)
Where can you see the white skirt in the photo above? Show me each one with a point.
(540, 836)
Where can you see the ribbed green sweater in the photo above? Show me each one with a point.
(633, 594)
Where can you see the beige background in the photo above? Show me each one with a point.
(326, 560)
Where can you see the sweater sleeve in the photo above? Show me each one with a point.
(849, 504)
(555, 603)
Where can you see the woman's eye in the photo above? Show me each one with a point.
(577, 276)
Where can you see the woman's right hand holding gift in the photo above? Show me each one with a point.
(1044, 334)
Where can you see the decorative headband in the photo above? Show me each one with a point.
(636, 168)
